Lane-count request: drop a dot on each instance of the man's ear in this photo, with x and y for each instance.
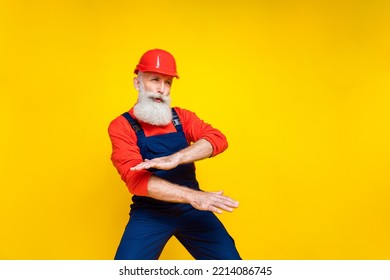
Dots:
(136, 82)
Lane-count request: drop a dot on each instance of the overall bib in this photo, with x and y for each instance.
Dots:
(153, 222)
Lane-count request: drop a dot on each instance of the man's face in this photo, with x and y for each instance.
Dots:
(156, 83)
(153, 104)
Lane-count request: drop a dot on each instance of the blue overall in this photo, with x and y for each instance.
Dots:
(152, 222)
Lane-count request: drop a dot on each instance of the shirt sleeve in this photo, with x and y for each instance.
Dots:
(195, 129)
(126, 154)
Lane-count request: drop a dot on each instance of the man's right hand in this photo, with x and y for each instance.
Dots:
(163, 163)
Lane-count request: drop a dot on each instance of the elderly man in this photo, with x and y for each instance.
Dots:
(154, 148)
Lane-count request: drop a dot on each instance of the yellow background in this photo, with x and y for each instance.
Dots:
(300, 88)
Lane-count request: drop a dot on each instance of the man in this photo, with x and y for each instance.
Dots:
(154, 148)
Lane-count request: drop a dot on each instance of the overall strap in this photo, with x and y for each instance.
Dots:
(134, 125)
(176, 121)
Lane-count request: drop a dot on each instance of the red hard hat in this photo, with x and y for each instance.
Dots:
(158, 61)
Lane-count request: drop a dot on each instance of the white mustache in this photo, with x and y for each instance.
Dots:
(153, 95)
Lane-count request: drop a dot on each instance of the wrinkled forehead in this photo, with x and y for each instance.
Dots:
(155, 74)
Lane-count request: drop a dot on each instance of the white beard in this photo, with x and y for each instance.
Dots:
(149, 111)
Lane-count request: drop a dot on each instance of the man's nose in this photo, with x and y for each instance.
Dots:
(161, 88)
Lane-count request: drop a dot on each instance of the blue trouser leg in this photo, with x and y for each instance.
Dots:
(145, 235)
(200, 232)
(204, 236)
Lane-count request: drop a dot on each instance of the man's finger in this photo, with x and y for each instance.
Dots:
(226, 208)
(218, 192)
(139, 167)
(215, 209)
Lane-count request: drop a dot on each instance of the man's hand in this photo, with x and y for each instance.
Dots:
(213, 201)
(199, 150)
(163, 163)
(208, 201)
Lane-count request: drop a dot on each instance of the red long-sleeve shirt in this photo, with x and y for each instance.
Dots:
(126, 153)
